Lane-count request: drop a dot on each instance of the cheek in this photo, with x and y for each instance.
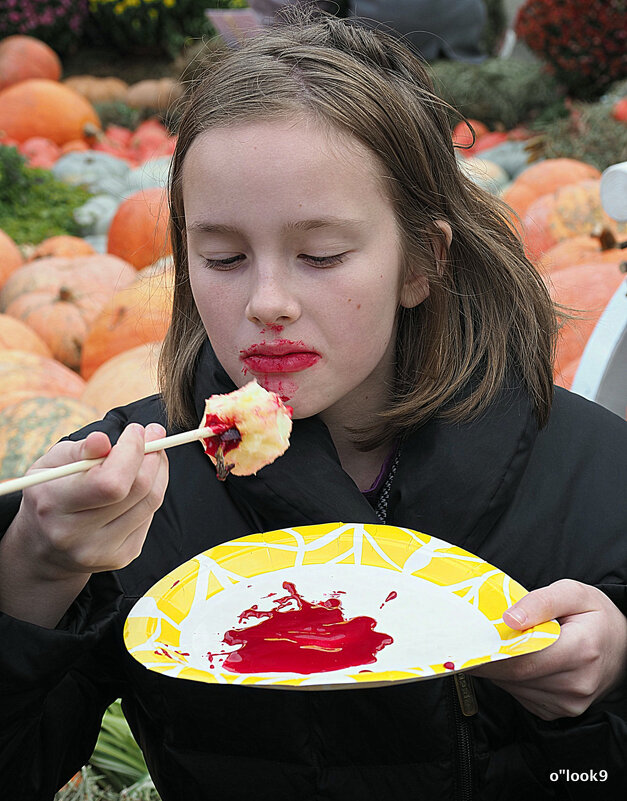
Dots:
(364, 326)
(215, 305)
(374, 306)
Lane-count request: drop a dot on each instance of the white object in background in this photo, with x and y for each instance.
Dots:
(602, 372)
(614, 191)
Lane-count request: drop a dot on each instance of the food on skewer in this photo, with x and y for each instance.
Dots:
(251, 425)
(251, 429)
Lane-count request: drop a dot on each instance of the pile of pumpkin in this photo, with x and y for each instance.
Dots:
(80, 330)
(65, 308)
(46, 117)
(557, 211)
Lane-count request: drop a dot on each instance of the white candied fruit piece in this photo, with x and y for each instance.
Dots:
(264, 424)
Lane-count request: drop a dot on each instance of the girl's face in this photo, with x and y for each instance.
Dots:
(295, 264)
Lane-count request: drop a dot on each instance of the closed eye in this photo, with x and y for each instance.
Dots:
(223, 264)
(317, 261)
(323, 261)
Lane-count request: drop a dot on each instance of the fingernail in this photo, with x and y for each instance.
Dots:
(518, 615)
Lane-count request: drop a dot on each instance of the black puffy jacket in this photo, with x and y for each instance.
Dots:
(539, 505)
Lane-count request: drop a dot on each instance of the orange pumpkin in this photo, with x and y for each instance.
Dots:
(542, 178)
(24, 57)
(62, 245)
(138, 314)
(45, 108)
(139, 229)
(579, 249)
(573, 210)
(586, 289)
(31, 427)
(124, 378)
(551, 174)
(26, 375)
(10, 257)
(60, 297)
(518, 197)
(16, 335)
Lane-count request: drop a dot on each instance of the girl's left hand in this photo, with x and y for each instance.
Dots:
(588, 660)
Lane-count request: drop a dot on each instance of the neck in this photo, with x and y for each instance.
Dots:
(362, 466)
(357, 409)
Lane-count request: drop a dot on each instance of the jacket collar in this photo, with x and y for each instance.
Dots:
(453, 480)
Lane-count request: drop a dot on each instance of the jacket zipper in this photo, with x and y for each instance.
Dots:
(464, 706)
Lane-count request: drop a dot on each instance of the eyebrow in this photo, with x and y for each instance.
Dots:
(208, 227)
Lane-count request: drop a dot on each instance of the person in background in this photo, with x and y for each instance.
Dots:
(435, 29)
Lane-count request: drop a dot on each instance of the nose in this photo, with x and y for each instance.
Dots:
(271, 300)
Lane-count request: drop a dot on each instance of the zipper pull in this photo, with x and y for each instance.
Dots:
(466, 694)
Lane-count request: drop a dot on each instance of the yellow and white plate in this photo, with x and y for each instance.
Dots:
(441, 605)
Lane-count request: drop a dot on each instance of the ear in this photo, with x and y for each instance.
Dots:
(414, 291)
(440, 250)
(416, 288)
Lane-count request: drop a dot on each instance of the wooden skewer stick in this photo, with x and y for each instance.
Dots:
(47, 474)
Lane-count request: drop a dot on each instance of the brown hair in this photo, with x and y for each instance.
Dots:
(488, 317)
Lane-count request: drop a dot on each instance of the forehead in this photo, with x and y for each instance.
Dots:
(298, 156)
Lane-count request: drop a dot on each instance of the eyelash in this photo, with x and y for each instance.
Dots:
(318, 261)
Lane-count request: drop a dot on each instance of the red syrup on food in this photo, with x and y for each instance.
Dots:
(311, 638)
(225, 439)
(225, 435)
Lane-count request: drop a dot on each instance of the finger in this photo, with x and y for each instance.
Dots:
(562, 655)
(124, 536)
(145, 497)
(109, 483)
(562, 598)
(118, 526)
(111, 495)
(97, 545)
(93, 446)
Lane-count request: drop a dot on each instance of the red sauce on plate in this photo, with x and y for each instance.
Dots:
(303, 637)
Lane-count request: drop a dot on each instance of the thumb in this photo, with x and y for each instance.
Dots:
(560, 599)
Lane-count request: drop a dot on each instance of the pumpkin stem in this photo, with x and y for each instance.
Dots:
(91, 132)
(65, 294)
(534, 147)
(606, 238)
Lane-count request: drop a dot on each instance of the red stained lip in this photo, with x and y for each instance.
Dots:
(282, 356)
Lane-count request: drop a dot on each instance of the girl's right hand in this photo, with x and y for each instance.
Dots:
(89, 522)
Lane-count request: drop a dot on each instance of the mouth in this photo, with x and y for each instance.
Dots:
(279, 357)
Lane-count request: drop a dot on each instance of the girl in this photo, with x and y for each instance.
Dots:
(326, 243)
